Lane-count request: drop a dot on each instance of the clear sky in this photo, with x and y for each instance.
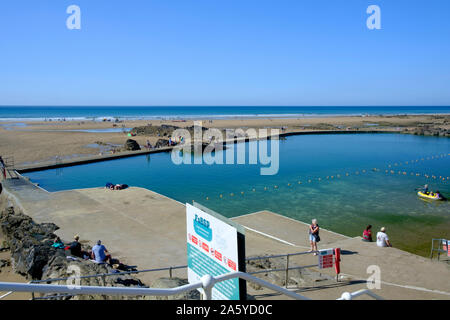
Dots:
(225, 52)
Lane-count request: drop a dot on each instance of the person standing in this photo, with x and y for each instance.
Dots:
(383, 239)
(314, 235)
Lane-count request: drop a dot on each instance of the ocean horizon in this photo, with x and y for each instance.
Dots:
(99, 113)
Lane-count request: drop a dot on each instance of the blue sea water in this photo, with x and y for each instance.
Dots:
(339, 185)
(8, 113)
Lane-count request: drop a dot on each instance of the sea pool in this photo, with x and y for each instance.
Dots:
(340, 179)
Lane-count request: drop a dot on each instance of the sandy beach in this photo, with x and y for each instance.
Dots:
(43, 141)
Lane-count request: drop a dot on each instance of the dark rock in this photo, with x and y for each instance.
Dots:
(161, 143)
(131, 145)
(4, 263)
(32, 255)
(173, 283)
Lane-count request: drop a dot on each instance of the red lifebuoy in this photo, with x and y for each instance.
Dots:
(337, 260)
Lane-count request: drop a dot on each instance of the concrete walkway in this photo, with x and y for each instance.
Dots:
(143, 228)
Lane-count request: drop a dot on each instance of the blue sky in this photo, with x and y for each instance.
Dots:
(225, 52)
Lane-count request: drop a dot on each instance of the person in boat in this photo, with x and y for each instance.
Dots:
(439, 195)
(425, 189)
(367, 234)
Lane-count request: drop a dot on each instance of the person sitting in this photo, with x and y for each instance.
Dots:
(100, 254)
(425, 189)
(109, 185)
(367, 234)
(383, 239)
(58, 243)
(75, 249)
(120, 186)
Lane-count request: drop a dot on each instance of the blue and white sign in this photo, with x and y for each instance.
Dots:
(212, 249)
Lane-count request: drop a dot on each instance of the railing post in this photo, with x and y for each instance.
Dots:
(170, 272)
(346, 296)
(287, 271)
(432, 247)
(207, 284)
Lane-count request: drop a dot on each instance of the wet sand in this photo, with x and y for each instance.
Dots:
(43, 141)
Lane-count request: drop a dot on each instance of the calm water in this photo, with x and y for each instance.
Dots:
(127, 112)
(344, 204)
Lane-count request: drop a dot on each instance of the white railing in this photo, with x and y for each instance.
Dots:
(350, 296)
(207, 283)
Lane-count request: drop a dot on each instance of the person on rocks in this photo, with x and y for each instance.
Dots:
(100, 254)
(75, 248)
(58, 244)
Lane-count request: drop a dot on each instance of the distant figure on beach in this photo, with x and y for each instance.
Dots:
(314, 235)
(367, 234)
(383, 239)
(100, 254)
(149, 145)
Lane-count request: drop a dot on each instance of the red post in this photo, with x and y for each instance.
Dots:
(337, 260)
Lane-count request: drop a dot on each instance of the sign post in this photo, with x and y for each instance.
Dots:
(215, 246)
(446, 246)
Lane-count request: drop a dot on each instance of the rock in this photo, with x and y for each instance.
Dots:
(32, 255)
(172, 283)
(162, 143)
(296, 277)
(149, 130)
(131, 145)
(4, 263)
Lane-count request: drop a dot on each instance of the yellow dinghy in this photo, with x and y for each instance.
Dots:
(429, 195)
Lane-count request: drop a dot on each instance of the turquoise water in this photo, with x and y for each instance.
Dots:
(344, 204)
(216, 112)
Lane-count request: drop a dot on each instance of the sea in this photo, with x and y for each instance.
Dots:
(100, 113)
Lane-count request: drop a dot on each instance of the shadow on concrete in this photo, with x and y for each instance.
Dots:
(348, 252)
(340, 284)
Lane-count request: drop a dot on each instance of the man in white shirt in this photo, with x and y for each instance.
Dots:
(383, 239)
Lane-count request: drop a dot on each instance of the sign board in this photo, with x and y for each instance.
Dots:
(212, 248)
(446, 246)
(326, 258)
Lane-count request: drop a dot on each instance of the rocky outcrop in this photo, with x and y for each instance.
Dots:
(173, 283)
(131, 145)
(428, 130)
(30, 243)
(150, 130)
(33, 256)
(161, 143)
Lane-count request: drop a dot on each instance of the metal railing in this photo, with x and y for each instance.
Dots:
(350, 296)
(172, 268)
(439, 248)
(206, 283)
